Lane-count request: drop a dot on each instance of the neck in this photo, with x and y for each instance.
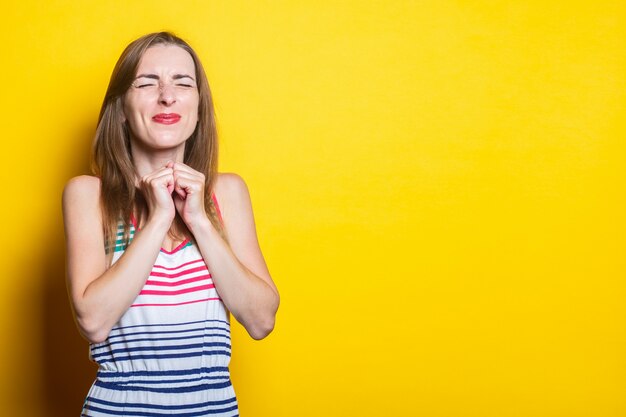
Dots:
(148, 161)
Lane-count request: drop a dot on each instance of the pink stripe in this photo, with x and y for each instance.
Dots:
(185, 291)
(177, 304)
(179, 266)
(179, 274)
(177, 283)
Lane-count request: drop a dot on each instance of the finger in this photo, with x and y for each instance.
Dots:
(163, 180)
(167, 180)
(181, 192)
(186, 176)
(189, 176)
(189, 183)
(180, 167)
(179, 187)
(163, 172)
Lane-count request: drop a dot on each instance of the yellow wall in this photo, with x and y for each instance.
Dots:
(438, 186)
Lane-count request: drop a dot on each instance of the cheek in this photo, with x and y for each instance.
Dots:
(133, 121)
(194, 110)
(196, 103)
(130, 111)
(133, 113)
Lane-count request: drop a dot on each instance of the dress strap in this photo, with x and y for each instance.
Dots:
(217, 207)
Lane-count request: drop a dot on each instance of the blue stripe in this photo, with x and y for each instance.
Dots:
(172, 390)
(200, 336)
(158, 348)
(145, 382)
(168, 356)
(177, 372)
(150, 414)
(169, 324)
(162, 407)
(197, 329)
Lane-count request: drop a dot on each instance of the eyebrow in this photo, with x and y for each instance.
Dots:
(156, 77)
(179, 76)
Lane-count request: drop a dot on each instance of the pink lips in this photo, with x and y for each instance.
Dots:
(166, 118)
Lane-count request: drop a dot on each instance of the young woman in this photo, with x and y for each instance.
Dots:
(160, 247)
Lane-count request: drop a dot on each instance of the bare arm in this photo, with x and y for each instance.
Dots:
(100, 295)
(237, 267)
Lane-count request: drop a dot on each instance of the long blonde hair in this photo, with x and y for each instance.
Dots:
(112, 159)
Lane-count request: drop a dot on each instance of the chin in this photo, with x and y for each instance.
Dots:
(159, 144)
(169, 144)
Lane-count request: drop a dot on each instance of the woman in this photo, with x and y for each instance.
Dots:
(143, 234)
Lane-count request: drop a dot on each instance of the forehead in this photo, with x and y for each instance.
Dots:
(166, 59)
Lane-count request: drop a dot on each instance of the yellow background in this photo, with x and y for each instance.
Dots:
(438, 187)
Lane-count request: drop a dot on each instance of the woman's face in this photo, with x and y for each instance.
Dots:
(161, 106)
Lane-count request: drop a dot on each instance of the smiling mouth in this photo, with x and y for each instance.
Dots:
(166, 118)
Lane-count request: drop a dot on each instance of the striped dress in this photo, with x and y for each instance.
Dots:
(169, 353)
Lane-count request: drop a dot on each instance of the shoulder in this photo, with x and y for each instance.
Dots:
(82, 185)
(230, 188)
(81, 192)
(232, 196)
(229, 182)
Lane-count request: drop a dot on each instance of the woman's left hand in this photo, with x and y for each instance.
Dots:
(189, 194)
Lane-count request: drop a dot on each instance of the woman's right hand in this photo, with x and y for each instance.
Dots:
(157, 188)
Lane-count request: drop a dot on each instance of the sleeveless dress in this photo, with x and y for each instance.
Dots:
(169, 353)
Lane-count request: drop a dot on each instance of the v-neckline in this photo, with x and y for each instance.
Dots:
(182, 244)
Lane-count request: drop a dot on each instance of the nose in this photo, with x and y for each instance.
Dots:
(167, 96)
